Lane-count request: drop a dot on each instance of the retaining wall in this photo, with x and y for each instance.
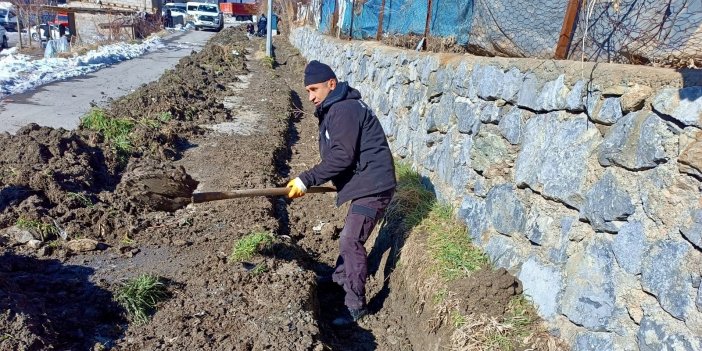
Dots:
(584, 180)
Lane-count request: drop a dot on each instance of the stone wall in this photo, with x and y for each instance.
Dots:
(584, 180)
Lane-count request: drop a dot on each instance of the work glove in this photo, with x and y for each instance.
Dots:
(297, 188)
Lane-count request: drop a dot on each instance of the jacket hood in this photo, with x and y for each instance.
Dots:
(342, 92)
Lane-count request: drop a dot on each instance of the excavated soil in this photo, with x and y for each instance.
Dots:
(79, 217)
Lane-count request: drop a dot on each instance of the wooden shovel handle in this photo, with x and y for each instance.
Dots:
(282, 191)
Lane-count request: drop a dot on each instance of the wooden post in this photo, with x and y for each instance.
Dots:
(426, 26)
(381, 17)
(567, 29)
(353, 3)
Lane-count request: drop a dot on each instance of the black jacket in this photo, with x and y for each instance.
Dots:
(352, 144)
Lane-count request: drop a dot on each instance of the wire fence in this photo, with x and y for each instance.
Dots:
(654, 32)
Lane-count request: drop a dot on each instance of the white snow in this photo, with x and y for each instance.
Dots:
(19, 73)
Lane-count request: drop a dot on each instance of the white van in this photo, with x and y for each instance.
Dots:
(205, 15)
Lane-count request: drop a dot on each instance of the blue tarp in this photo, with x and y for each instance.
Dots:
(449, 18)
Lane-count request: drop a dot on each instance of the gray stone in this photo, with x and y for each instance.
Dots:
(574, 100)
(588, 298)
(559, 252)
(589, 341)
(440, 82)
(553, 156)
(505, 210)
(511, 124)
(468, 116)
(684, 105)
(609, 113)
(388, 124)
(445, 161)
(500, 249)
(488, 81)
(510, 86)
(553, 95)
(34, 244)
(18, 235)
(656, 336)
(629, 247)
(543, 283)
(427, 65)
(529, 92)
(489, 113)
(698, 301)
(668, 282)
(439, 115)
(488, 150)
(473, 212)
(693, 230)
(537, 226)
(462, 163)
(415, 117)
(461, 80)
(605, 204)
(402, 140)
(593, 100)
(416, 93)
(634, 142)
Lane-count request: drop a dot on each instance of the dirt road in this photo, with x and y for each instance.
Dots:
(60, 104)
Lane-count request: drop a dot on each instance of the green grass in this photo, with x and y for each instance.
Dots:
(412, 201)
(268, 61)
(450, 245)
(250, 245)
(43, 229)
(139, 296)
(115, 130)
(165, 117)
(81, 198)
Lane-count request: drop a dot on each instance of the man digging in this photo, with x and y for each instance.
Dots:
(357, 159)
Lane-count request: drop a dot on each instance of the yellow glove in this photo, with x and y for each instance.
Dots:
(297, 188)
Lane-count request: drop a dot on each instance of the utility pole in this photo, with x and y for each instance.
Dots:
(19, 30)
(269, 26)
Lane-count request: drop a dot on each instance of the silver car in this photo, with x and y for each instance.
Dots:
(8, 19)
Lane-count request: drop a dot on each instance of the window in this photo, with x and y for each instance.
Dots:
(207, 8)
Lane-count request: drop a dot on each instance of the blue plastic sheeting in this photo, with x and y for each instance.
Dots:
(450, 18)
(328, 7)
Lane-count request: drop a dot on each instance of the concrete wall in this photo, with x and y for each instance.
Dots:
(583, 180)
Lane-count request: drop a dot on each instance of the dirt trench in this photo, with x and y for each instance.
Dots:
(232, 123)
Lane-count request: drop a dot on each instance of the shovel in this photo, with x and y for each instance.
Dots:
(282, 191)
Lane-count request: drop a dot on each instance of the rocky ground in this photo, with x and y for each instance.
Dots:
(77, 223)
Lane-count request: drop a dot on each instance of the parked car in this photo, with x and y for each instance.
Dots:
(8, 19)
(205, 15)
(38, 32)
(3, 38)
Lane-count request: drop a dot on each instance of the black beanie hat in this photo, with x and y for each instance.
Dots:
(317, 72)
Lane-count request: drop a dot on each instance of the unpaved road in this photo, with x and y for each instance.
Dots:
(60, 104)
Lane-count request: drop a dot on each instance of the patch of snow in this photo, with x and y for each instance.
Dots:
(19, 73)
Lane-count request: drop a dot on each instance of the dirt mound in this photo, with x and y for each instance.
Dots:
(486, 291)
(157, 186)
(47, 305)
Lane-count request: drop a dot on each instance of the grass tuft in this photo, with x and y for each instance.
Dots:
(250, 245)
(45, 230)
(139, 296)
(82, 199)
(412, 200)
(449, 244)
(115, 130)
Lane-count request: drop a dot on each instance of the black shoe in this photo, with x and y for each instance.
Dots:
(353, 316)
(324, 279)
